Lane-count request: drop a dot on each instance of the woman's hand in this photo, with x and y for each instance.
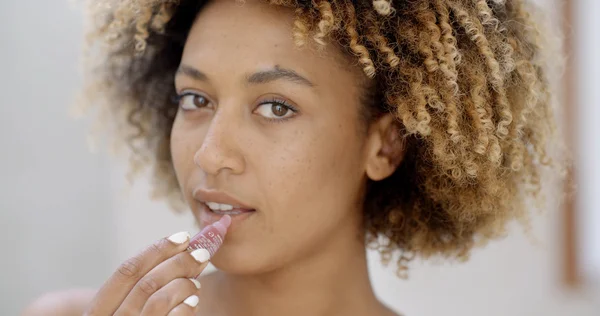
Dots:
(158, 281)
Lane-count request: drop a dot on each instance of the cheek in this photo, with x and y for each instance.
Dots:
(312, 175)
(183, 148)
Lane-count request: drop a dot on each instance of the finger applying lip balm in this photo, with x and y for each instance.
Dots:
(212, 236)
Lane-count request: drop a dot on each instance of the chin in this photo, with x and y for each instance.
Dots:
(244, 260)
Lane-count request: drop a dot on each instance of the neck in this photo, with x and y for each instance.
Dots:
(334, 281)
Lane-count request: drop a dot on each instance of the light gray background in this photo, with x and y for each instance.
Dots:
(65, 221)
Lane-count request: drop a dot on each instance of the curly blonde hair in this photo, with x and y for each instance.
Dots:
(464, 79)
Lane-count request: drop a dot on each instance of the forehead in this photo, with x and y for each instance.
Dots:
(253, 35)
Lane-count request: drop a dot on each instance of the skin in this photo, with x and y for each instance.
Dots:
(302, 251)
(231, 146)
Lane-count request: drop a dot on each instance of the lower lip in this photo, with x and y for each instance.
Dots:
(207, 216)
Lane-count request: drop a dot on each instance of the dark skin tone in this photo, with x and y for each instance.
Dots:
(278, 130)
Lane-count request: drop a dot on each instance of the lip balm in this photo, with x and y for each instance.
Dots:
(212, 236)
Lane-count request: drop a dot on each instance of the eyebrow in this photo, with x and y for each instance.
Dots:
(192, 73)
(261, 77)
(278, 73)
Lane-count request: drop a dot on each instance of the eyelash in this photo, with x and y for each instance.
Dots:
(176, 99)
(283, 103)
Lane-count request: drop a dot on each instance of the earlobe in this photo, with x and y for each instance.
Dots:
(386, 148)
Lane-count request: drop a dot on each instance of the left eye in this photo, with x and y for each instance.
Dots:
(275, 110)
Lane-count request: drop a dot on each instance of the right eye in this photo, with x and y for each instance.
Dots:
(189, 101)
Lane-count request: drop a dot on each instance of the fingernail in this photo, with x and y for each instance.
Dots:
(196, 283)
(201, 255)
(192, 301)
(179, 238)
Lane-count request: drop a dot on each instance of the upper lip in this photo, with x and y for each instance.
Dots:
(218, 197)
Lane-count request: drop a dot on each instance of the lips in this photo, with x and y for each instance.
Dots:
(213, 205)
(225, 209)
(221, 203)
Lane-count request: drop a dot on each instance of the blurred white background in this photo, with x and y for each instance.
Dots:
(65, 221)
(588, 129)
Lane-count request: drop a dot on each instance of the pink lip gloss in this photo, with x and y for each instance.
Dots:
(211, 237)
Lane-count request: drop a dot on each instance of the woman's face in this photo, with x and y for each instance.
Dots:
(271, 128)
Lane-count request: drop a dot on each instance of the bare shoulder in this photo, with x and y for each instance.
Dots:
(65, 303)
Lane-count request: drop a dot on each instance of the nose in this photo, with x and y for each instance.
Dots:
(219, 151)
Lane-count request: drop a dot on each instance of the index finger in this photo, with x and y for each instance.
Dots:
(120, 283)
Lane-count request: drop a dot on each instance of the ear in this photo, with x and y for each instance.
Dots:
(385, 148)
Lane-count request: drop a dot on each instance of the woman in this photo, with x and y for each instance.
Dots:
(321, 127)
